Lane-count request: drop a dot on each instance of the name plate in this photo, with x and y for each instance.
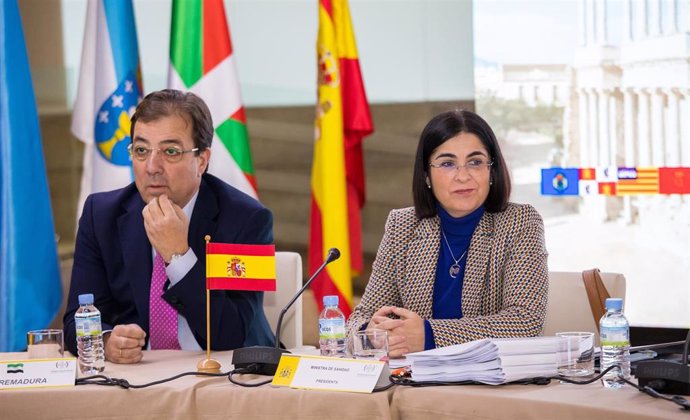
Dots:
(38, 373)
(330, 373)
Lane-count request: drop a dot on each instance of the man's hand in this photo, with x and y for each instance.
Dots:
(124, 344)
(166, 226)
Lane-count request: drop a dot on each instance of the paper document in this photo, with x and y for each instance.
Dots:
(490, 361)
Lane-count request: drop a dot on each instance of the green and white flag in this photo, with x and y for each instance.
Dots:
(202, 61)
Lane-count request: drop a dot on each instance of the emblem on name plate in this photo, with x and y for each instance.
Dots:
(285, 372)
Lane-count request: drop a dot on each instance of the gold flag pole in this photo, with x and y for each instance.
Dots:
(208, 365)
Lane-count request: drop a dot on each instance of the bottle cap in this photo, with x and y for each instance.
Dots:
(614, 304)
(330, 301)
(86, 299)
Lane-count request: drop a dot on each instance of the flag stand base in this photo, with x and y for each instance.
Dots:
(208, 366)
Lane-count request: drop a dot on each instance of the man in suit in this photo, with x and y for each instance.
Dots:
(141, 251)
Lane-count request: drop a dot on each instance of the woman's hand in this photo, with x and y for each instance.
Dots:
(405, 334)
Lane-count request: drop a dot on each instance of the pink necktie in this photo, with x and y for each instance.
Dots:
(162, 316)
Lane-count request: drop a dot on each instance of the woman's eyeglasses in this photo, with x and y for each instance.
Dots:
(473, 166)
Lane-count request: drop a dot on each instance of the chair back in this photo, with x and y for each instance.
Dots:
(288, 282)
(568, 307)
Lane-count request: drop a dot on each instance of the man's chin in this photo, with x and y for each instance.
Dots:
(147, 195)
(157, 191)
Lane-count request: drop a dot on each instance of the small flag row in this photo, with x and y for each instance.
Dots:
(615, 181)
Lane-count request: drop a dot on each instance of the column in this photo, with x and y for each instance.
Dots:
(630, 142)
(583, 128)
(670, 18)
(684, 111)
(592, 151)
(627, 22)
(654, 16)
(644, 157)
(582, 22)
(672, 129)
(590, 13)
(604, 156)
(641, 22)
(615, 133)
(614, 205)
(629, 127)
(602, 31)
(656, 117)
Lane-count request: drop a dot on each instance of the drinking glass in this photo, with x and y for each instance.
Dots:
(45, 344)
(576, 353)
(370, 345)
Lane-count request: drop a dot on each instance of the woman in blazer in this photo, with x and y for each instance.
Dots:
(463, 263)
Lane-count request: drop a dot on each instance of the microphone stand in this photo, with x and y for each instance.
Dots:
(263, 360)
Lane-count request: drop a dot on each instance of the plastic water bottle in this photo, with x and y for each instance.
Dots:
(615, 343)
(89, 336)
(332, 339)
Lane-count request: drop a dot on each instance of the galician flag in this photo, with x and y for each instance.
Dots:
(201, 61)
(342, 120)
(109, 89)
(30, 287)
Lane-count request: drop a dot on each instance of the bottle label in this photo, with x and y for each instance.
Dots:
(331, 328)
(615, 336)
(86, 326)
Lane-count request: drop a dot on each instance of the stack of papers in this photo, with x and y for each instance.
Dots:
(491, 361)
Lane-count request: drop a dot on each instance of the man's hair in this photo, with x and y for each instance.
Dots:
(442, 128)
(169, 102)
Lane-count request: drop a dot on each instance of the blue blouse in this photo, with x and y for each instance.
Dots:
(447, 303)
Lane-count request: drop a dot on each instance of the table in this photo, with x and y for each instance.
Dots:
(185, 398)
(214, 398)
(555, 401)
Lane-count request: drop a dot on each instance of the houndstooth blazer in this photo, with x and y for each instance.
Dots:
(506, 278)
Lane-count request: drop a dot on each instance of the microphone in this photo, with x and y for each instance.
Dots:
(666, 376)
(264, 360)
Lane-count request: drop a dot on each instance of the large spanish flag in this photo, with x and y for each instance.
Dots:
(202, 61)
(342, 120)
(240, 267)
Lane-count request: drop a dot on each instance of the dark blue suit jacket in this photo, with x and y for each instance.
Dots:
(113, 260)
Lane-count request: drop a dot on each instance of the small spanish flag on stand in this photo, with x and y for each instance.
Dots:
(235, 267)
(240, 267)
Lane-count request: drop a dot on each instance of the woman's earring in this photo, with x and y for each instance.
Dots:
(428, 186)
(491, 182)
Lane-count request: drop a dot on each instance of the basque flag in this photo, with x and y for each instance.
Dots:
(202, 61)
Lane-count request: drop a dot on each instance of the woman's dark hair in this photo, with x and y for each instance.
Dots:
(442, 128)
(168, 102)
